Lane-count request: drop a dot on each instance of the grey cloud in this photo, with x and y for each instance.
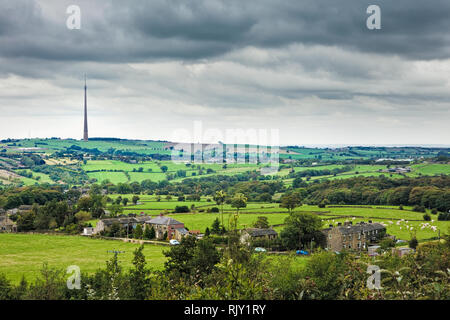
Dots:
(118, 31)
(304, 66)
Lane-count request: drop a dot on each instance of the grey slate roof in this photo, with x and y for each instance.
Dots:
(254, 232)
(130, 220)
(358, 228)
(183, 231)
(164, 220)
(142, 218)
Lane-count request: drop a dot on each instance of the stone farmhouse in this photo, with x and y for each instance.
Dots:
(250, 234)
(353, 237)
(162, 225)
(6, 224)
(132, 222)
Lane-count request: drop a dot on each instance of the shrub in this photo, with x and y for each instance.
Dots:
(217, 239)
(214, 210)
(387, 243)
(426, 217)
(418, 208)
(443, 216)
(413, 243)
(181, 209)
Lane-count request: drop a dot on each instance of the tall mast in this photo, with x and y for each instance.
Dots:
(85, 133)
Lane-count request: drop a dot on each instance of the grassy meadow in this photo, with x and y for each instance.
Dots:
(24, 254)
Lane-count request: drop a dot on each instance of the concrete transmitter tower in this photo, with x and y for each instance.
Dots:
(85, 132)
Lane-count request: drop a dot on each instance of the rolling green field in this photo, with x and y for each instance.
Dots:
(425, 169)
(43, 178)
(141, 176)
(124, 172)
(276, 215)
(53, 145)
(114, 170)
(157, 175)
(430, 169)
(114, 177)
(119, 165)
(356, 153)
(25, 253)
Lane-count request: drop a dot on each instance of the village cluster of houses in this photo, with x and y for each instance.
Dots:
(358, 237)
(162, 225)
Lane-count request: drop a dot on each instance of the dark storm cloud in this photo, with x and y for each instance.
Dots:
(143, 30)
(311, 68)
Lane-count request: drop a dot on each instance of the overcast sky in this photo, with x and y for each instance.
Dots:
(311, 69)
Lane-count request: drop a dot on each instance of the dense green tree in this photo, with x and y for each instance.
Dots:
(135, 199)
(300, 229)
(114, 230)
(191, 260)
(261, 223)
(138, 232)
(6, 289)
(25, 221)
(413, 243)
(238, 201)
(219, 198)
(115, 209)
(326, 269)
(139, 276)
(215, 227)
(149, 232)
(291, 201)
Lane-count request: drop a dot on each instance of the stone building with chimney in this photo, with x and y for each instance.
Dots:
(353, 237)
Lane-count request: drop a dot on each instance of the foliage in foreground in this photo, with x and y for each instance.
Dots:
(198, 270)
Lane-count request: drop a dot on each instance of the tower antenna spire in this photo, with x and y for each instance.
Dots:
(85, 132)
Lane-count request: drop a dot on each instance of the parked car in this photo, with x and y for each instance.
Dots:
(174, 242)
(258, 249)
